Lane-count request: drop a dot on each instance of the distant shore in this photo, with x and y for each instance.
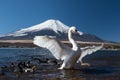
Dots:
(29, 44)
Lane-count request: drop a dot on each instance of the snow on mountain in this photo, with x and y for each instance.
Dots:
(49, 24)
(51, 28)
(55, 25)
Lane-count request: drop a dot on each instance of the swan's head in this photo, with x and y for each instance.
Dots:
(73, 29)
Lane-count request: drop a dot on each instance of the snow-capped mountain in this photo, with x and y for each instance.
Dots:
(51, 28)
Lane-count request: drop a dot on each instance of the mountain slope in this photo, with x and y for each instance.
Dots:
(51, 28)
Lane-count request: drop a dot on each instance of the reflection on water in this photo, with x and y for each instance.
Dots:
(105, 65)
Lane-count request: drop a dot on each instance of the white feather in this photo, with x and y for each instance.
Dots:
(60, 51)
(89, 50)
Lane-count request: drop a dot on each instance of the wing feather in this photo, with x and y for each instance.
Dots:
(59, 50)
(89, 50)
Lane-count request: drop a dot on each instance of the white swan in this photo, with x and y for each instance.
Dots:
(60, 51)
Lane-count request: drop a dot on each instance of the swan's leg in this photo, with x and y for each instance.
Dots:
(62, 66)
(84, 64)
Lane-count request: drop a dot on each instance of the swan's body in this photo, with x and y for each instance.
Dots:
(60, 51)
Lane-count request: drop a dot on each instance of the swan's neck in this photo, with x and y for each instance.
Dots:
(74, 44)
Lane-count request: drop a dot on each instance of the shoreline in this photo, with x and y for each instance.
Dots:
(29, 44)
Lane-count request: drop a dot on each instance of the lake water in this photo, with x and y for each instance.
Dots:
(105, 65)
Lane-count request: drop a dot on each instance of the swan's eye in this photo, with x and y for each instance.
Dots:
(75, 30)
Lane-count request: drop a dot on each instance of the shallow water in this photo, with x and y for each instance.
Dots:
(105, 65)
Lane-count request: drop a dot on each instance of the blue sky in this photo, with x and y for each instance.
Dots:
(98, 17)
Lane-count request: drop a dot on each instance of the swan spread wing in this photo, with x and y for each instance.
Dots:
(59, 50)
(89, 50)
